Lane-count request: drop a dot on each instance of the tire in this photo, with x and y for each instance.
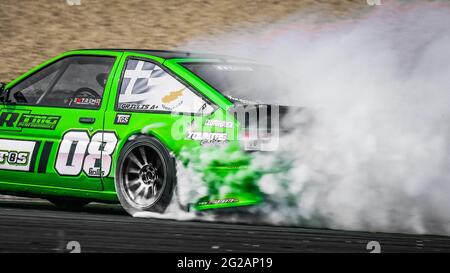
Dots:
(145, 176)
(68, 204)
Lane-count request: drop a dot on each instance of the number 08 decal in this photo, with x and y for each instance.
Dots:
(79, 152)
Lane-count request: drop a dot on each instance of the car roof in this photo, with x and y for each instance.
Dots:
(170, 54)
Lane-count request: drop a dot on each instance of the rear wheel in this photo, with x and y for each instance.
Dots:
(145, 176)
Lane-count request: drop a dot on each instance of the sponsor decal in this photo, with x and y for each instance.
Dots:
(38, 121)
(17, 121)
(207, 136)
(87, 101)
(136, 106)
(213, 142)
(14, 158)
(122, 119)
(95, 172)
(17, 155)
(7, 121)
(219, 201)
(219, 123)
(172, 100)
(172, 96)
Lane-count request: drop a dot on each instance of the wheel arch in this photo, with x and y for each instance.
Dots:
(132, 135)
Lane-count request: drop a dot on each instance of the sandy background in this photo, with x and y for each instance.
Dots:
(32, 31)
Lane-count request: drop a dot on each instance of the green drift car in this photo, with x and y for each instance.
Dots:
(108, 125)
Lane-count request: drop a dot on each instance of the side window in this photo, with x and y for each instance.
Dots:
(32, 88)
(147, 87)
(76, 82)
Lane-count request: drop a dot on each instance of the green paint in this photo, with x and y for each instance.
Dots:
(226, 171)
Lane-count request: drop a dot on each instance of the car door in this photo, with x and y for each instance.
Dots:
(152, 100)
(51, 128)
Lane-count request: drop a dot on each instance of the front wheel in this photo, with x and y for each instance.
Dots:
(145, 176)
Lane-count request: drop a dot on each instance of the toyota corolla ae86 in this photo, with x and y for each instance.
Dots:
(112, 125)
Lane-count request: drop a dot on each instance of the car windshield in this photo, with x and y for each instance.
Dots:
(242, 83)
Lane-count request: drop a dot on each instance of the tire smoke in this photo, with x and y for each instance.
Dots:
(377, 155)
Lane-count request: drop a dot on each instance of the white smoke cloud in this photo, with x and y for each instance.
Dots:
(377, 155)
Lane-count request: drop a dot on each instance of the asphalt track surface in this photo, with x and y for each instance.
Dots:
(35, 225)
